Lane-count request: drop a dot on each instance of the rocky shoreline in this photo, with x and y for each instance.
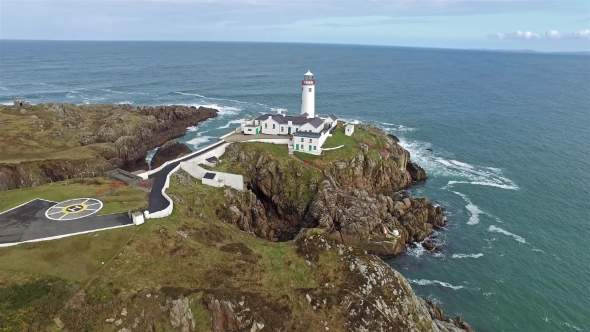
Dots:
(357, 203)
(100, 138)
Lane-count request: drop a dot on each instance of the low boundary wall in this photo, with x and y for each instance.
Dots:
(167, 211)
(235, 181)
(146, 175)
(270, 140)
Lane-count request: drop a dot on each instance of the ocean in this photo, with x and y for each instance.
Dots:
(503, 136)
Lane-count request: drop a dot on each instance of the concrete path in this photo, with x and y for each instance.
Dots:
(157, 201)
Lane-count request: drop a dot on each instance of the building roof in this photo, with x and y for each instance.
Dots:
(209, 176)
(284, 119)
(212, 159)
(316, 122)
(333, 117)
(307, 134)
(349, 126)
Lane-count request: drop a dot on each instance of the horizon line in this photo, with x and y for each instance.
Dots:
(310, 43)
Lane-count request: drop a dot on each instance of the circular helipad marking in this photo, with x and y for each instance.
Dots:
(74, 209)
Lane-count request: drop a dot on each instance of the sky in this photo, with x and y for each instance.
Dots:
(549, 25)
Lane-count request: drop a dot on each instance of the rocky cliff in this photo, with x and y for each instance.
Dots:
(355, 200)
(53, 142)
(169, 151)
(364, 295)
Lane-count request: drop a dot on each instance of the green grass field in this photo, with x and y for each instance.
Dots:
(339, 138)
(118, 200)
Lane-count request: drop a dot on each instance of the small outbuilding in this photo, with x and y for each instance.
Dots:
(137, 218)
(349, 130)
(21, 102)
(211, 161)
(212, 179)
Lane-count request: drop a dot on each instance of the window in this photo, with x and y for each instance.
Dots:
(314, 147)
(309, 89)
(302, 147)
(302, 140)
(265, 125)
(282, 129)
(273, 126)
(310, 140)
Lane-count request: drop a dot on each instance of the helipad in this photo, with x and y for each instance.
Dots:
(40, 220)
(74, 209)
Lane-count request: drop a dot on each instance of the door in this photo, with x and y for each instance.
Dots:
(310, 148)
(256, 131)
(297, 146)
(289, 130)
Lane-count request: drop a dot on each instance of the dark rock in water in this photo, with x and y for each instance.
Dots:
(394, 137)
(169, 151)
(438, 248)
(429, 149)
(416, 172)
(428, 245)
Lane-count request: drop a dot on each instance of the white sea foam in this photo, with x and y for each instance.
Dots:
(571, 326)
(4, 88)
(200, 140)
(7, 103)
(190, 94)
(223, 110)
(424, 282)
(124, 93)
(434, 163)
(417, 251)
(467, 255)
(474, 210)
(125, 102)
(276, 109)
(230, 123)
(495, 229)
(395, 127)
(351, 121)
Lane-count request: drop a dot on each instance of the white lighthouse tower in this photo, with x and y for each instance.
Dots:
(308, 95)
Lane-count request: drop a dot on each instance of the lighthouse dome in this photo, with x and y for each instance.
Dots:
(308, 73)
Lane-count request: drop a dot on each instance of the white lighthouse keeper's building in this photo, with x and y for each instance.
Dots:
(308, 96)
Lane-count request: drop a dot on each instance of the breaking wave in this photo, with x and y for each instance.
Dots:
(495, 229)
(227, 125)
(199, 141)
(124, 93)
(223, 110)
(433, 163)
(467, 255)
(474, 210)
(395, 127)
(425, 282)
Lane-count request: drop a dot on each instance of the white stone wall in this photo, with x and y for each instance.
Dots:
(235, 181)
(267, 127)
(212, 182)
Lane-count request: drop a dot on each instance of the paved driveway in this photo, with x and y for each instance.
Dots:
(28, 222)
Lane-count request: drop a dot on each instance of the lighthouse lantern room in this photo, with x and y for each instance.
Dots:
(308, 95)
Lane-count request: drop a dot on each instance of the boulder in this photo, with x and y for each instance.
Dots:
(169, 151)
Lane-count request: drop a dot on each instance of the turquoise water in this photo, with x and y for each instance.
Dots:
(509, 135)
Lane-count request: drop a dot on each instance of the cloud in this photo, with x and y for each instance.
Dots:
(387, 21)
(516, 35)
(551, 34)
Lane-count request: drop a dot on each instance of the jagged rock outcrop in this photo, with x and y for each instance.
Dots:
(365, 295)
(282, 199)
(170, 150)
(81, 140)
